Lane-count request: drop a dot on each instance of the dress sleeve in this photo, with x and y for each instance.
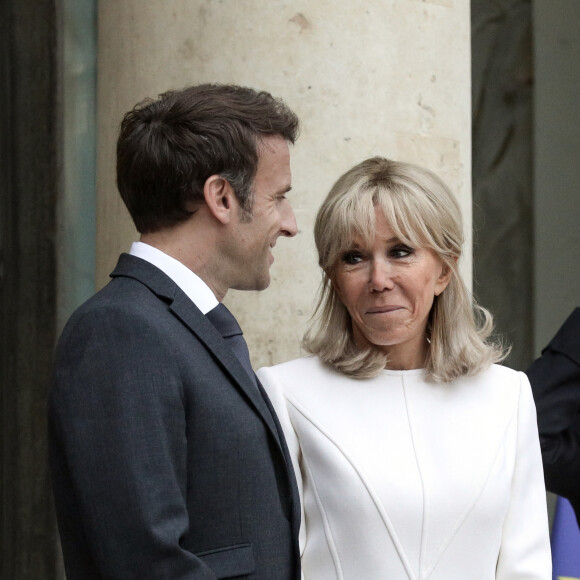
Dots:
(275, 389)
(525, 545)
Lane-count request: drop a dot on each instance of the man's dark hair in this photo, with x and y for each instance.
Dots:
(167, 148)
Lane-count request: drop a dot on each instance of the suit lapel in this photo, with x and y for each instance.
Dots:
(188, 313)
(207, 333)
(199, 325)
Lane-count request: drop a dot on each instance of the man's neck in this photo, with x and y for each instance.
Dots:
(200, 257)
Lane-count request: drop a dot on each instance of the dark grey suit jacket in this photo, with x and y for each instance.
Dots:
(555, 380)
(166, 460)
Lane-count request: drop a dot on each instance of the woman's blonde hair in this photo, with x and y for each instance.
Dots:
(422, 212)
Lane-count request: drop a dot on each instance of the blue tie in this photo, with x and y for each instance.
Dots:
(229, 328)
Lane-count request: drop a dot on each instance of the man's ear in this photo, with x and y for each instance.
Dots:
(219, 198)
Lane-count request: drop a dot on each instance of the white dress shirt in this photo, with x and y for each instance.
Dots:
(193, 286)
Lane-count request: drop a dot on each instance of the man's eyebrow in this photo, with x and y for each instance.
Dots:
(285, 190)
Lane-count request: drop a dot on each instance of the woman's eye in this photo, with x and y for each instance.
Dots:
(401, 251)
(352, 257)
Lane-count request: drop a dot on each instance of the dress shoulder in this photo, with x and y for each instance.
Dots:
(297, 370)
(499, 377)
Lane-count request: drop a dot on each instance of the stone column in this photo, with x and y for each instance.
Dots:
(366, 77)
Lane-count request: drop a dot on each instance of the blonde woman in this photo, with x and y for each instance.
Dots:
(417, 455)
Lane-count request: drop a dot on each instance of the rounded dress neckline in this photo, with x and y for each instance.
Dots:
(399, 373)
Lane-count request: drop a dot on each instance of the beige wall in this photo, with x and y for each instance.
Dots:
(366, 77)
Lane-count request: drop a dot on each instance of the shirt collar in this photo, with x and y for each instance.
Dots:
(191, 284)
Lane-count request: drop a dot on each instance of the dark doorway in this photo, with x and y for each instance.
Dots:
(29, 182)
(502, 77)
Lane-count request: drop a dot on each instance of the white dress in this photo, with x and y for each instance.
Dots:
(401, 478)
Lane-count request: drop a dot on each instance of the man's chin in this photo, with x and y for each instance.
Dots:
(256, 286)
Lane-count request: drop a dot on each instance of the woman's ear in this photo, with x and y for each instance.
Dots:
(220, 198)
(333, 284)
(444, 278)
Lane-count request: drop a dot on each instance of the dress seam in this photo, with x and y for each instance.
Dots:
(367, 485)
(424, 518)
(327, 527)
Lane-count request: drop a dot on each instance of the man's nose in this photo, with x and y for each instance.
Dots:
(288, 226)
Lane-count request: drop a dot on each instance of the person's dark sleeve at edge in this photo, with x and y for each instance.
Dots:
(555, 380)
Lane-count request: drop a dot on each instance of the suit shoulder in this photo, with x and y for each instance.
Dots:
(567, 339)
(123, 308)
(120, 297)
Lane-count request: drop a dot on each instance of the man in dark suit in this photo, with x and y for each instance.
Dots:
(555, 380)
(167, 458)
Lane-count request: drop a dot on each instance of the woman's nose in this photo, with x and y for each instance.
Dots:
(380, 276)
